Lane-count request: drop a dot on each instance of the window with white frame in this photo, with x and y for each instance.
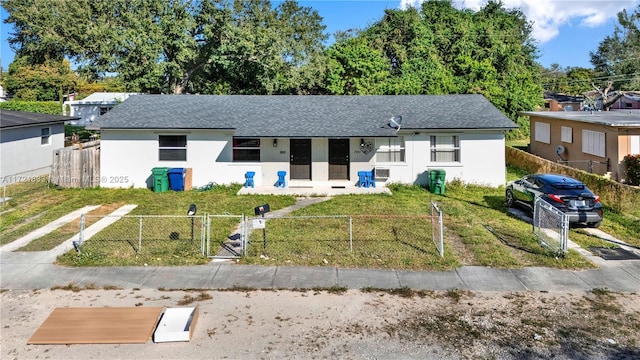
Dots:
(566, 134)
(45, 136)
(172, 147)
(445, 148)
(543, 132)
(390, 149)
(246, 149)
(593, 142)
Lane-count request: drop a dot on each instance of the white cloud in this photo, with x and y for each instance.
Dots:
(549, 15)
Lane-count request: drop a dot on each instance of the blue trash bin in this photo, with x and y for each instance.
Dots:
(176, 179)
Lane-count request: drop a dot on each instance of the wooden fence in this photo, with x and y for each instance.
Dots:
(77, 166)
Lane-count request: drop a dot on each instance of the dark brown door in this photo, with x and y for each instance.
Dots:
(300, 163)
(338, 159)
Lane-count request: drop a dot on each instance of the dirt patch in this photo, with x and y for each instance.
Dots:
(463, 253)
(351, 324)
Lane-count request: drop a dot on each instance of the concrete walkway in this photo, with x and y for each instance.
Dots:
(22, 270)
(14, 245)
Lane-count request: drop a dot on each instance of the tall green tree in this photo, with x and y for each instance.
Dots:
(176, 45)
(617, 58)
(439, 49)
(48, 81)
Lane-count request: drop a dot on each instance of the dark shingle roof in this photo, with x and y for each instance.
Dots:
(11, 119)
(304, 116)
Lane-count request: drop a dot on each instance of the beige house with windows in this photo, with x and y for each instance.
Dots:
(592, 141)
(317, 140)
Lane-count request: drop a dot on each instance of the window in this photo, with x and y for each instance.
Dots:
(45, 136)
(543, 132)
(246, 149)
(172, 147)
(104, 109)
(593, 142)
(566, 134)
(445, 148)
(635, 144)
(390, 149)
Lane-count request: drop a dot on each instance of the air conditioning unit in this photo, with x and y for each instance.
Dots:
(381, 173)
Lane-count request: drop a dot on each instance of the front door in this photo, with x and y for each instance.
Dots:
(338, 159)
(300, 162)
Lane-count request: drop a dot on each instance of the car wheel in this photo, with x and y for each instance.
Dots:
(510, 200)
(595, 224)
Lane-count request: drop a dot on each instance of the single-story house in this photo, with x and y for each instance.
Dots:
(562, 102)
(599, 139)
(27, 142)
(629, 101)
(94, 105)
(317, 140)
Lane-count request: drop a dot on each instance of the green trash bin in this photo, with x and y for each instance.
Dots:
(160, 179)
(436, 181)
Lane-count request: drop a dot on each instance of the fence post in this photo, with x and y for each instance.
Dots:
(140, 234)
(245, 231)
(203, 230)
(351, 233)
(81, 235)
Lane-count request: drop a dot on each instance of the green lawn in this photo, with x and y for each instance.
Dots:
(388, 229)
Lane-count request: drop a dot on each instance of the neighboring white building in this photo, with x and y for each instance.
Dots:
(3, 96)
(27, 142)
(317, 140)
(94, 105)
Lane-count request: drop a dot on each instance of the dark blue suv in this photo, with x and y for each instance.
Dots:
(568, 195)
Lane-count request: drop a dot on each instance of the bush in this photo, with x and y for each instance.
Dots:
(42, 107)
(632, 169)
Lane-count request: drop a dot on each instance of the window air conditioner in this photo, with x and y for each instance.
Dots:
(381, 173)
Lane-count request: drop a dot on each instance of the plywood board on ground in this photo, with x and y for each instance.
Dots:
(176, 324)
(108, 325)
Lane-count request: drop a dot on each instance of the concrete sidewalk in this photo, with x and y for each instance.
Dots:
(21, 272)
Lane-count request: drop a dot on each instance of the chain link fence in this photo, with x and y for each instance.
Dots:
(341, 239)
(304, 239)
(165, 238)
(551, 227)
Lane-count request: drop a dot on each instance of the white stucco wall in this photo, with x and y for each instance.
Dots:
(86, 112)
(134, 153)
(23, 157)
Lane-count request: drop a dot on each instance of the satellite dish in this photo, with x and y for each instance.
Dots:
(395, 122)
(560, 149)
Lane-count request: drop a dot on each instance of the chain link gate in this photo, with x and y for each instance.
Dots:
(551, 227)
(226, 236)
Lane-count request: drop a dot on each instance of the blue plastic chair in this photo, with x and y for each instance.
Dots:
(281, 182)
(249, 178)
(371, 180)
(362, 179)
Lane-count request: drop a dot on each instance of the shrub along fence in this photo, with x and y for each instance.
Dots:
(618, 196)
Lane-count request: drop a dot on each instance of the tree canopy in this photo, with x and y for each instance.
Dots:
(439, 49)
(617, 58)
(242, 46)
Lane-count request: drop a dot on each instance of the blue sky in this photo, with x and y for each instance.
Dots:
(566, 30)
